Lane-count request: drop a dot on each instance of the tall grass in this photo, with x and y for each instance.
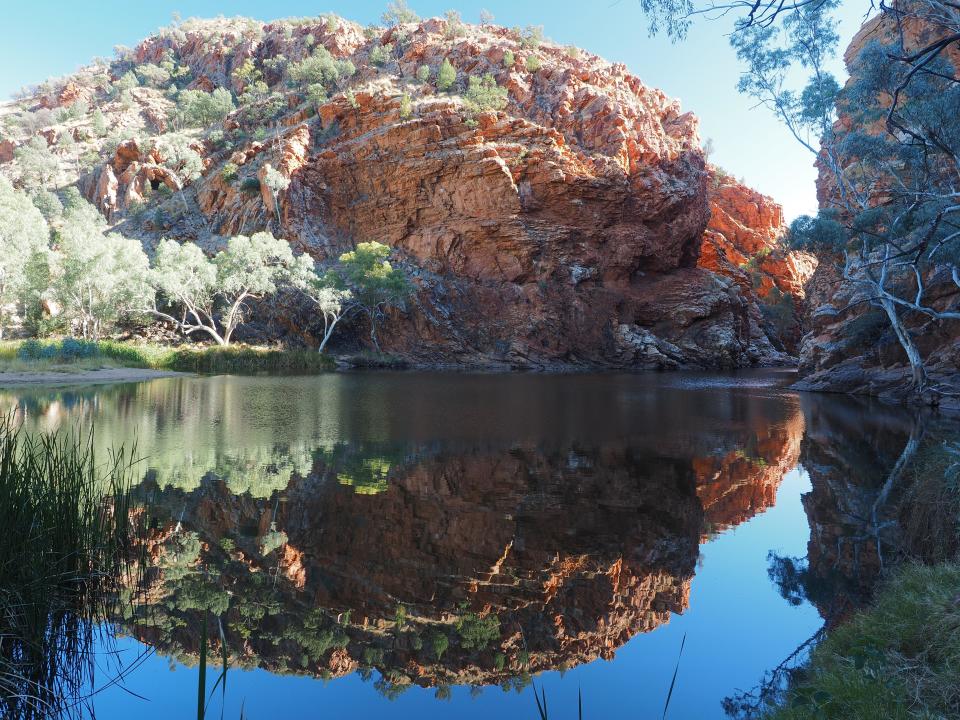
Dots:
(66, 546)
(69, 354)
(900, 658)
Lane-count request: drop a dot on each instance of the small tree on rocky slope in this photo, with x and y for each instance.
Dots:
(212, 293)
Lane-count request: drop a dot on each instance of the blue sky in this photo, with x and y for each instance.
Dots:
(49, 38)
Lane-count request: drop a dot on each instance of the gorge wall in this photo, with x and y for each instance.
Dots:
(851, 346)
(566, 229)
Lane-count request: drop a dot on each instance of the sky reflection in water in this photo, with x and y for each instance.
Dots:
(571, 507)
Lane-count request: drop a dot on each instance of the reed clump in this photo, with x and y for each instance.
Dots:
(66, 547)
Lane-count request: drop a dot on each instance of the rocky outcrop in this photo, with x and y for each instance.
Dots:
(561, 229)
(128, 178)
(577, 212)
(744, 240)
(851, 346)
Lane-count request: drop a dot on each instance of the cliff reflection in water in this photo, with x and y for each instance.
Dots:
(448, 529)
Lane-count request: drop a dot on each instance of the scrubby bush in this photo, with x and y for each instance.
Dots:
(98, 123)
(38, 166)
(447, 75)
(532, 37)
(380, 55)
(423, 73)
(483, 94)
(250, 186)
(455, 27)
(533, 63)
(196, 108)
(48, 204)
(406, 106)
(229, 172)
(321, 67)
(509, 59)
(124, 84)
(398, 13)
(153, 76)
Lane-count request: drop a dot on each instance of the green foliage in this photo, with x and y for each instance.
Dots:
(37, 164)
(98, 124)
(423, 73)
(898, 659)
(372, 656)
(509, 59)
(821, 234)
(153, 76)
(62, 554)
(316, 94)
(455, 27)
(250, 186)
(398, 13)
(406, 106)
(24, 235)
(48, 204)
(476, 632)
(446, 76)
(102, 277)
(532, 37)
(332, 22)
(573, 52)
(373, 282)
(229, 172)
(179, 157)
(533, 63)
(196, 108)
(248, 268)
(276, 65)
(320, 68)
(124, 85)
(247, 74)
(272, 540)
(380, 54)
(235, 359)
(483, 95)
(439, 643)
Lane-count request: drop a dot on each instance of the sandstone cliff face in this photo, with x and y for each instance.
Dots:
(563, 230)
(850, 346)
(744, 241)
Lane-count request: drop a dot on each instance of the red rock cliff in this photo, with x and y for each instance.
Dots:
(564, 229)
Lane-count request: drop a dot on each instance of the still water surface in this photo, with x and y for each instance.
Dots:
(433, 546)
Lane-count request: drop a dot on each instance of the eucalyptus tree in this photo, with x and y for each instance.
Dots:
(374, 284)
(179, 157)
(24, 235)
(98, 277)
(212, 294)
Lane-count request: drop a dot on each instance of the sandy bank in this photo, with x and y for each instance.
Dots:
(83, 377)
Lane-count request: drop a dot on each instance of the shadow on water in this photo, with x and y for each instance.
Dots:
(446, 531)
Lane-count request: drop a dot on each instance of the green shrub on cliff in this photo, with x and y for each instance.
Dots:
(483, 94)
(446, 76)
(196, 108)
